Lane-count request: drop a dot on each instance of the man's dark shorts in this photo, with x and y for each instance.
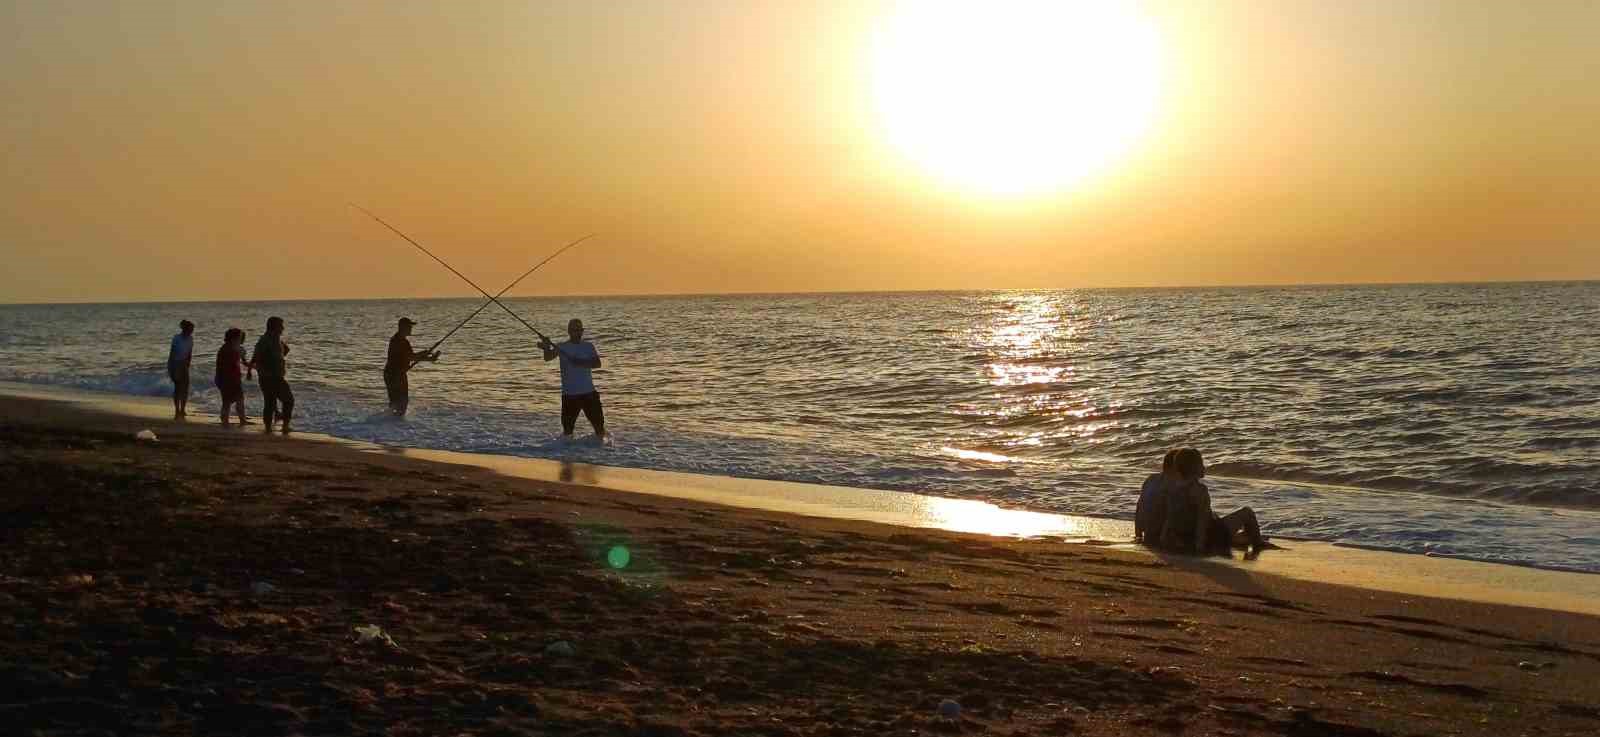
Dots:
(589, 405)
(398, 385)
(275, 389)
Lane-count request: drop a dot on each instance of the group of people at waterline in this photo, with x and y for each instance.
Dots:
(269, 360)
(1173, 512)
(233, 368)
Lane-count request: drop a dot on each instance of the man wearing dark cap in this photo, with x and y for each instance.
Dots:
(401, 359)
(179, 356)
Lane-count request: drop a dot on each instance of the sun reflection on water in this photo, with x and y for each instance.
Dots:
(1039, 398)
(976, 455)
(966, 515)
(1008, 374)
(1022, 341)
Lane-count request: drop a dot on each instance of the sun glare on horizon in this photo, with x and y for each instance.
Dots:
(1016, 98)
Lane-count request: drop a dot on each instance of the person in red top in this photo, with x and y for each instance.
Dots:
(230, 364)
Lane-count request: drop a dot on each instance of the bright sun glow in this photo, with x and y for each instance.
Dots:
(1016, 97)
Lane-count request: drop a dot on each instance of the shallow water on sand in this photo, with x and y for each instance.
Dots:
(1450, 419)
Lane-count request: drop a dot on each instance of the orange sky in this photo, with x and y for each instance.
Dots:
(207, 150)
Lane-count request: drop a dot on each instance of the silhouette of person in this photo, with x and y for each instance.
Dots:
(229, 377)
(1150, 514)
(270, 361)
(578, 357)
(1192, 527)
(179, 356)
(401, 359)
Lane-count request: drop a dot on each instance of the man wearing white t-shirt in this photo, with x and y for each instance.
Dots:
(577, 386)
(179, 357)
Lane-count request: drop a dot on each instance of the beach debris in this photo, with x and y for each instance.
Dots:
(262, 588)
(560, 649)
(949, 709)
(1531, 666)
(147, 435)
(374, 634)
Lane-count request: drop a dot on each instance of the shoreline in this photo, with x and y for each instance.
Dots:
(1306, 560)
(213, 582)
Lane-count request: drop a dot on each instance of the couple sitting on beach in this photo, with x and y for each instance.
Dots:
(1174, 512)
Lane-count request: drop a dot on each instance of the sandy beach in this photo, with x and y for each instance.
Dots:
(212, 583)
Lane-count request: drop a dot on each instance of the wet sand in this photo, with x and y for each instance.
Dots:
(128, 594)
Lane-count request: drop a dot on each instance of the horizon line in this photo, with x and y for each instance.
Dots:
(761, 293)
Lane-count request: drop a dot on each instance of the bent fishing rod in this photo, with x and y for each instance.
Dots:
(492, 300)
(452, 270)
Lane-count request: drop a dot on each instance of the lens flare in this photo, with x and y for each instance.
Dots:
(618, 557)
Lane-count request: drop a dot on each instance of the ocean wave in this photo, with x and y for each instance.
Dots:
(138, 381)
(1440, 395)
(1532, 484)
(1563, 442)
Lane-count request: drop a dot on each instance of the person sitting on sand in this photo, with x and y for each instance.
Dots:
(230, 365)
(178, 358)
(1192, 527)
(1150, 514)
(269, 361)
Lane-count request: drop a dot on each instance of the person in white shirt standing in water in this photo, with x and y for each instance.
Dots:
(578, 356)
(178, 359)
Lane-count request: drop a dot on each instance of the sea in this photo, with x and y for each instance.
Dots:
(1456, 420)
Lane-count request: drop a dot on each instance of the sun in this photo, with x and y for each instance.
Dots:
(1014, 98)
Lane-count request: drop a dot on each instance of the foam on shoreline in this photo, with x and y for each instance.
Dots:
(1304, 560)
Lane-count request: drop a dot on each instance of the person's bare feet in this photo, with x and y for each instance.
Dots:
(285, 428)
(246, 421)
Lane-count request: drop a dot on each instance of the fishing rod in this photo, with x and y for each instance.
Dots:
(464, 278)
(508, 288)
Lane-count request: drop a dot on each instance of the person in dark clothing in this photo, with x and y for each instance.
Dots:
(1150, 514)
(401, 359)
(1192, 527)
(269, 360)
